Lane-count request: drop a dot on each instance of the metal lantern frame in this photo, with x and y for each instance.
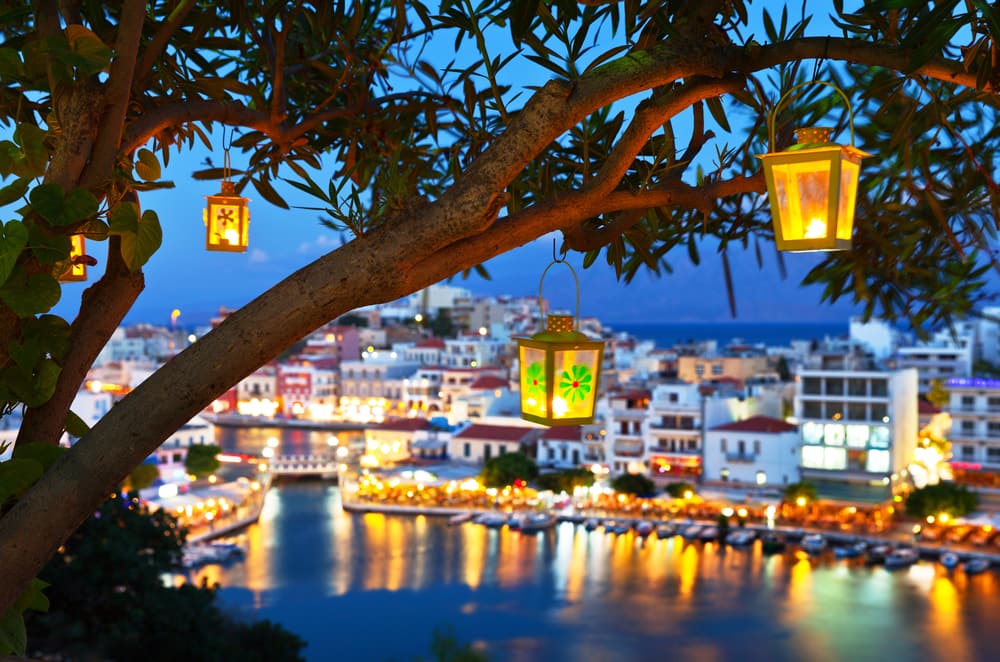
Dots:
(227, 214)
(817, 171)
(76, 265)
(560, 368)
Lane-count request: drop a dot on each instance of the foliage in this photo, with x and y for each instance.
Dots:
(503, 470)
(781, 367)
(142, 477)
(679, 489)
(984, 368)
(636, 484)
(359, 321)
(938, 395)
(804, 489)
(944, 497)
(202, 459)
(565, 480)
(446, 648)
(441, 325)
(108, 598)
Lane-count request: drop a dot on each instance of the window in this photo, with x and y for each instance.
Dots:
(968, 402)
(879, 437)
(857, 387)
(834, 458)
(811, 386)
(857, 436)
(716, 369)
(692, 444)
(699, 369)
(503, 449)
(756, 447)
(834, 410)
(722, 445)
(811, 409)
(487, 452)
(725, 475)
(741, 447)
(878, 461)
(993, 429)
(879, 387)
(812, 433)
(993, 403)
(879, 412)
(834, 386)
(833, 434)
(552, 453)
(857, 411)
(968, 427)
(812, 457)
(467, 449)
(672, 397)
(993, 455)
(968, 453)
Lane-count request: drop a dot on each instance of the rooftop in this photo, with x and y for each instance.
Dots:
(763, 424)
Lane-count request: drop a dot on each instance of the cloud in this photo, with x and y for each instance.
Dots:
(257, 256)
(321, 244)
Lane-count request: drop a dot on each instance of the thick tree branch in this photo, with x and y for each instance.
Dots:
(102, 308)
(117, 94)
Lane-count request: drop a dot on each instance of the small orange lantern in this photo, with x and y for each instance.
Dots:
(76, 266)
(812, 186)
(227, 219)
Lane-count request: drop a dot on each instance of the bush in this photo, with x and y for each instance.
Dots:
(678, 490)
(566, 480)
(202, 459)
(636, 484)
(951, 498)
(505, 469)
(804, 489)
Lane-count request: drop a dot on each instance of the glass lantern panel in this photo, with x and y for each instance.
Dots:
(225, 226)
(575, 383)
(803, 192)
(533, 398)
(849, 171)
(76, 270)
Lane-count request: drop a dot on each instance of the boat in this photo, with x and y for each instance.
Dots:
(460, 518)
(772, 543)
(538, 522)
(591, 524)
(850, 551)
(691, 531)
(643, 528)
(975, 566)
(876, 554)
(903, 557)
(491, 520)
(813, 543)
(515, 521)
(949, 559)
(619, 527)
(740, 537)
(708, 533)
(214, 552)
(665, 530)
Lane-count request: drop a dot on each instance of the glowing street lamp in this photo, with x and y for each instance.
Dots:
(812, 186)
(560, 369)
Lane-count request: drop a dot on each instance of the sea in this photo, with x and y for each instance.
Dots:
(374, 587)
(773, 334)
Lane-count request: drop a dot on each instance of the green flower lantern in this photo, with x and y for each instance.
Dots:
(812, 186)
(559, 369)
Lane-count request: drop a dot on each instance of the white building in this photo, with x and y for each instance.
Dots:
(478, 443)
(759, 451)
(943, 357)
(858, 427)
(171, 454)
(975, 423)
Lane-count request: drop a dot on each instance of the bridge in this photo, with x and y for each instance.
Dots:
(294, 466)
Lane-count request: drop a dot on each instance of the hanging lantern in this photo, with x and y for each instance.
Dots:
(560, 369)
(227, 218)
(812, 186)
(76, 266)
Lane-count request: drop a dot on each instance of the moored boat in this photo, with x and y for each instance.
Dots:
(665, 530)
(515, 520)
(975, 566)
(772, 543)
(491, 520)
(708, 533)
(877, 554)
(643, 528)
(813, 543)
(741, 537)
(538, 522)
(459, 518)
(851, 551)
(949, 559)
(903, 557)
(691, 531)
(591, 524)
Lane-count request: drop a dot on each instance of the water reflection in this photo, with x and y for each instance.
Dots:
(568, 594)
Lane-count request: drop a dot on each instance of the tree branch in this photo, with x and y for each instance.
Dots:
(160, 40)
(118, 93)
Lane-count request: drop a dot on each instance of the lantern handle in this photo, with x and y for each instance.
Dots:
(576, 283)
(774, 112)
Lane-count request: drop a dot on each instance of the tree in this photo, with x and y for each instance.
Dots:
(565, 480)
(202, 459)
(636, 484)
(108, 598)
(938, 395)
(142, 477)
(944, 497)
(437, 169)
(803, 490)
(504, 470)
(680, 490)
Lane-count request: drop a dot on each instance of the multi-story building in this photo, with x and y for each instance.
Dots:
(941, 359)
(624, 413)
(759, 450)
(171, 454)
(697, 369)
(674, 430)
(478, 443)
(563, 447)
(390, 441)
(373, 387)
(858, 427)
(974, 406)
(257, 394)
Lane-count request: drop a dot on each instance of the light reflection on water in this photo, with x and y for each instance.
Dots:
(373, 587)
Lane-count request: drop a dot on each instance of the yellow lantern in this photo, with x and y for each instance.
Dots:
(227, 218)
(560, 369)
(812, 186)
(76, 266)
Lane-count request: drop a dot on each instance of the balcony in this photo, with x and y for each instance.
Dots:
(627, 449)
(668, 450)
(747, 458)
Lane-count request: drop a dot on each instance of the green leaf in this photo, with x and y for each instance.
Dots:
(30, 295)
(137, 248)
(12, 242)
(147, 166)
(75, 425)
(80, 204)
(13, 637)
(13, 191)
(124, 218)
(18, 475)
(44, 454)
(43, 385)
(268, 193)
(48, 201)
(34, 154)
(48, 247)
(94, 56)
(718, 112)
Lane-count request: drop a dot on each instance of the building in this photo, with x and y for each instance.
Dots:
(478, 443)
(974, 406)
(562, 447)
(942, 358)
(759, 451)
(858, 428)
(695, 369)
(257, 394)
(624, 413)
(171, 454)
(390, 441)
(673, 432)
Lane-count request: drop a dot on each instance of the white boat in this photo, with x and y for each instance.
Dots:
(538, 522)
(618, 527)
(591, 524)
(459, 518)
(214, 552)
(813, 543)
(741, 537)
(691, 531)
(903, 557)
(975, 566)
(516, 520)
(850, 551)
(491, 520)
(708, 533)
(949, 559)
(644, 528)
(664, 531)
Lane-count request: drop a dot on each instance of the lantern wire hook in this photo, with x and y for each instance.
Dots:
(226, 146)
(773, 115)
(562, 252)
(559, 259)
